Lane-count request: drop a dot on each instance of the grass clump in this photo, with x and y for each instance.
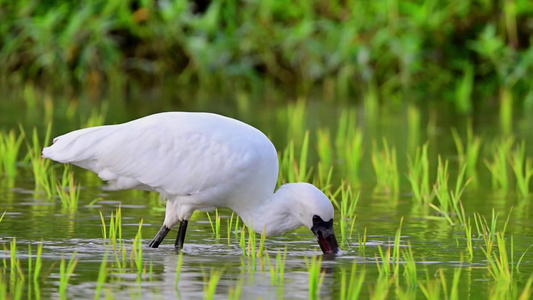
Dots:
(449, 201)
(43, 173)
(351, 283)
(386, 169)
(522, 169)
(468, 153)
(346, 207)
(136, 255)
(102, 277)
(277, 272)
(215, 226)
(291, 169)
(316, 275)
(9, 153)
(418, 175)
(115, 229)
(324, 150)
(409, 266)
(65, 273)
(211, 282)
(179, 264)
(349, 144)
(68, 191)
(498, 165)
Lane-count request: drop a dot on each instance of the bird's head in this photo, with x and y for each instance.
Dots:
(315, 211)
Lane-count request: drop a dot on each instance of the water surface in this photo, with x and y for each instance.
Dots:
(31, 218)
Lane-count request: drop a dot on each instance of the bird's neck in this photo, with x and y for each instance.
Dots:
(275, 215)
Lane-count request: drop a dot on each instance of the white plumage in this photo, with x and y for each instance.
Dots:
(198, 161)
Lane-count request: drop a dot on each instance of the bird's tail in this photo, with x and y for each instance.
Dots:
(74, 147)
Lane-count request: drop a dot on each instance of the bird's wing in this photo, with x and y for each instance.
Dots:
(158, 157)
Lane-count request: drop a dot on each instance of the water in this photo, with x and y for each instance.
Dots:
(31, 218)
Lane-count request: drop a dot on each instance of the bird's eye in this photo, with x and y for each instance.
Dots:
(316, 219)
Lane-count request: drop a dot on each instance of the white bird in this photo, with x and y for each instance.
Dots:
(199, 161)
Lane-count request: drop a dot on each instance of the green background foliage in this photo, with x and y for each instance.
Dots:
(465, 52)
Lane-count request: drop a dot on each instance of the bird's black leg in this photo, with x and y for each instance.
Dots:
(159, 236)
(181, 235)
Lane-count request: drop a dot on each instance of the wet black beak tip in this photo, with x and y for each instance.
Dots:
(328, 244)
(325, 236)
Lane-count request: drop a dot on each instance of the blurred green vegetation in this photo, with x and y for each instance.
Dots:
(470, 53)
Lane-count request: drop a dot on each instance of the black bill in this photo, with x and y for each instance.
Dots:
(325, 235)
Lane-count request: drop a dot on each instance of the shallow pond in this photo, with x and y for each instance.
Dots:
(428, 258)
